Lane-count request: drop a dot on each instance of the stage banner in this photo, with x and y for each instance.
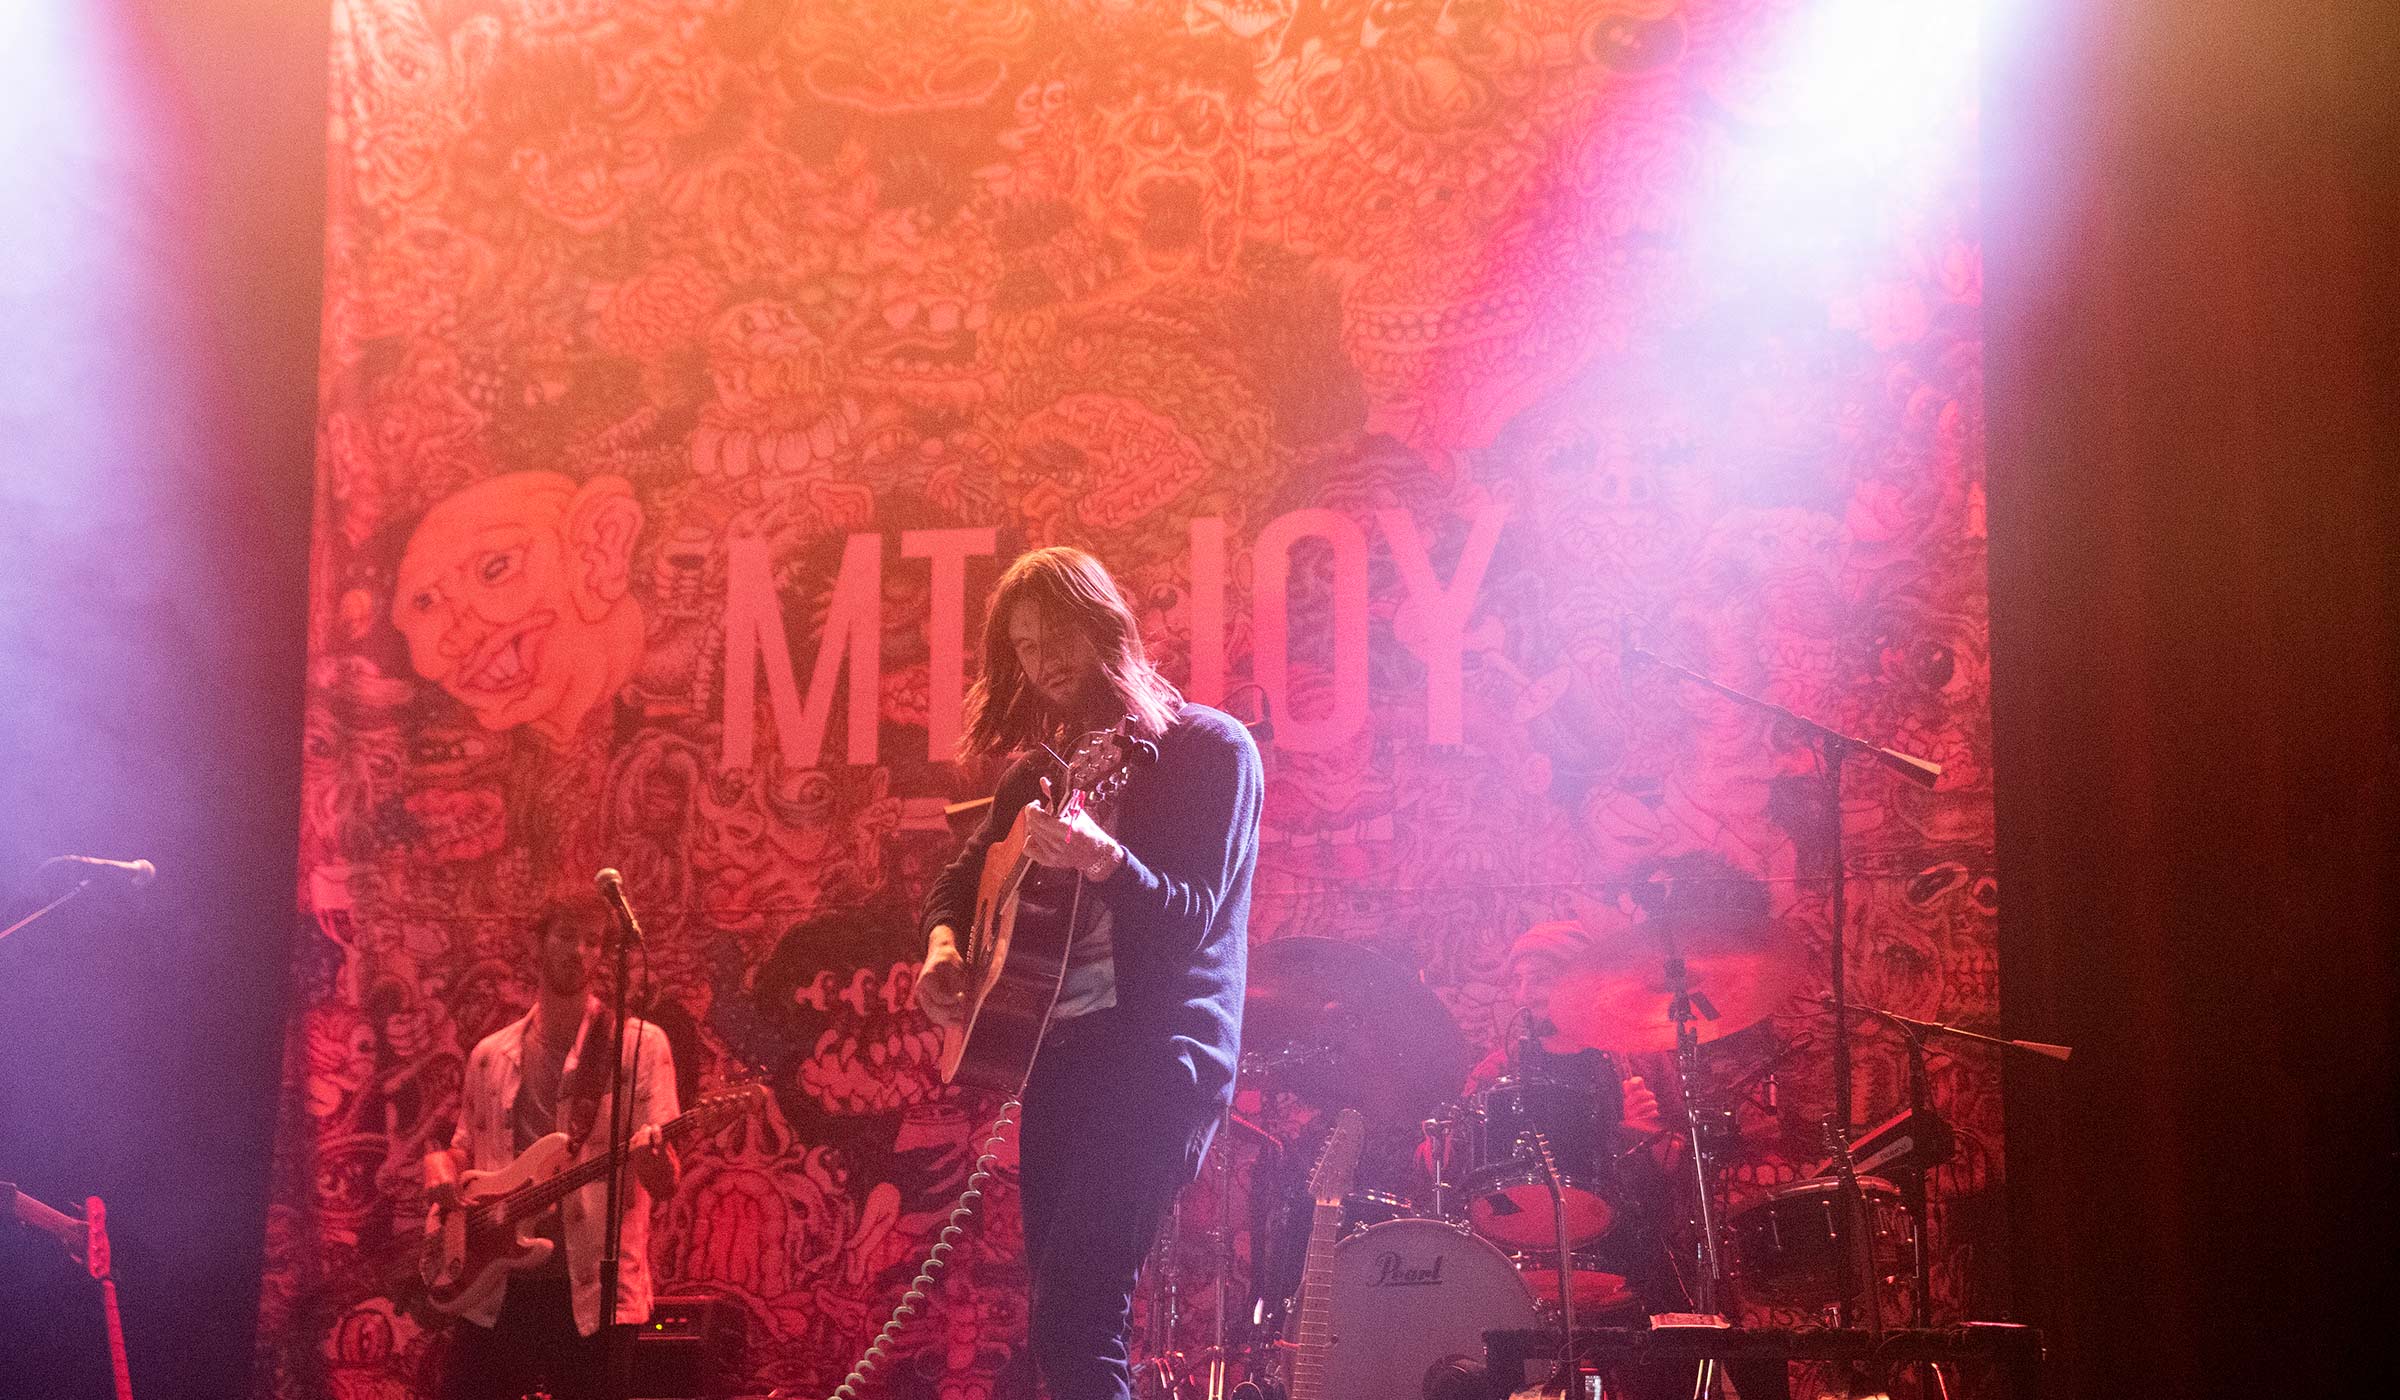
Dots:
(690, 369)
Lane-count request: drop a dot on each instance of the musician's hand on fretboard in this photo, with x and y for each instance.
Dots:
(1071, 841)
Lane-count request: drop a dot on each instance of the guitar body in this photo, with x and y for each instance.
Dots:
(476, 1243)
(1024, 930)
(466, 1262)
(1026, 916)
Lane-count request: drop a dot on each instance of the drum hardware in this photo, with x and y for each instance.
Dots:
(1854, 1243)
(1918, 1140)
(1165, 1372)
(1539, 1147)
(1436, 1131)
(1834, 748)
(1508, 1196)
(1363, 1209)
(1344, 1027)
(1685, 1008)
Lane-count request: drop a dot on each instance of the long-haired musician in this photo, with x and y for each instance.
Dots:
(1139, 1059)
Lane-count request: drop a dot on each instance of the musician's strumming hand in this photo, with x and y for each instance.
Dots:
(942, 981)
(441, 1178)
(1070, 841)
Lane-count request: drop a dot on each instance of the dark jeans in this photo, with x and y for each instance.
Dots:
(532, 1347)
(1104, 1145)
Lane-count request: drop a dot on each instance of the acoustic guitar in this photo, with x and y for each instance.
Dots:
(1026, 917)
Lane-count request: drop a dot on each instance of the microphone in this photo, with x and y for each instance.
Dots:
(135, 873)
(612, 890)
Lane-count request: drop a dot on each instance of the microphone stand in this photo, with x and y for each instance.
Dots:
(1834, 747)
(1931, 1147)
(615, 1361)
(1932, 1136)
(80, 886)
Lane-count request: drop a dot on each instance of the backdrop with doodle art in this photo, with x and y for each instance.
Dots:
(690, 367)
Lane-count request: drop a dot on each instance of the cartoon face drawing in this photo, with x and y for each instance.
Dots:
(513, 597)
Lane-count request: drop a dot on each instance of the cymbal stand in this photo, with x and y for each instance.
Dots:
(1686, 1008)
(1833, 747)
(1221, 1246)
(1159, 1376)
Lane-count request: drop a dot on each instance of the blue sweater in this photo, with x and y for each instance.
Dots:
(1179, 906)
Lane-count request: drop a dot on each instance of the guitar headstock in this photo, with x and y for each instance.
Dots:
(1337, 1165)
(715, 1110)
(1099, 763)
(95, 1237)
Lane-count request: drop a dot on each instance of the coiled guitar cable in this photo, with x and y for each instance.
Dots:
(937, 1258)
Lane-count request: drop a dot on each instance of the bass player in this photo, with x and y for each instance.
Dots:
(547, 1072)
(1137, 1063)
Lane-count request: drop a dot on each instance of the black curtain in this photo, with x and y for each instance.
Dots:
(2194, 207)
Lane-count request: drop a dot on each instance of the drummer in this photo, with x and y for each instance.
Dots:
(1535, 1047)
(1630, 1130)
(1646, 1155)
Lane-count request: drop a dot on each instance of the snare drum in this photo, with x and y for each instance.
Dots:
(1788, 1246)
(1507, 1193)
(1406, 1294)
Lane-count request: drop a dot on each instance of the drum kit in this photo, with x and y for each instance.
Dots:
(1466, 1205)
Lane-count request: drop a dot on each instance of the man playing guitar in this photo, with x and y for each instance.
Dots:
(1138, 1059)
(548, 1072)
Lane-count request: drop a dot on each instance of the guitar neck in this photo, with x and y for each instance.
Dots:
(529, 1201)
(116, 1341)
(1316, 1305)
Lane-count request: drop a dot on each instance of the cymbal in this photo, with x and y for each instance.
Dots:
(1617, 998)
(1345, 1027)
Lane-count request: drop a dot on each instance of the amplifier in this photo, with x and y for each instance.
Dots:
(694, 1347)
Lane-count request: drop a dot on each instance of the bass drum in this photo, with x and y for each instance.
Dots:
(1409, 1293)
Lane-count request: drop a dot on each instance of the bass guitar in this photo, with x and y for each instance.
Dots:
(1026, 916)
(477, 1241)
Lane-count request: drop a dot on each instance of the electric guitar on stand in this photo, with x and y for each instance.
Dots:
(96, 1260)
(478, 1241)
(86, 1241)
(1025, 922)
(1327, 1185)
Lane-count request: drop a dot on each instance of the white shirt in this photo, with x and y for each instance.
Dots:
(485, 1141)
